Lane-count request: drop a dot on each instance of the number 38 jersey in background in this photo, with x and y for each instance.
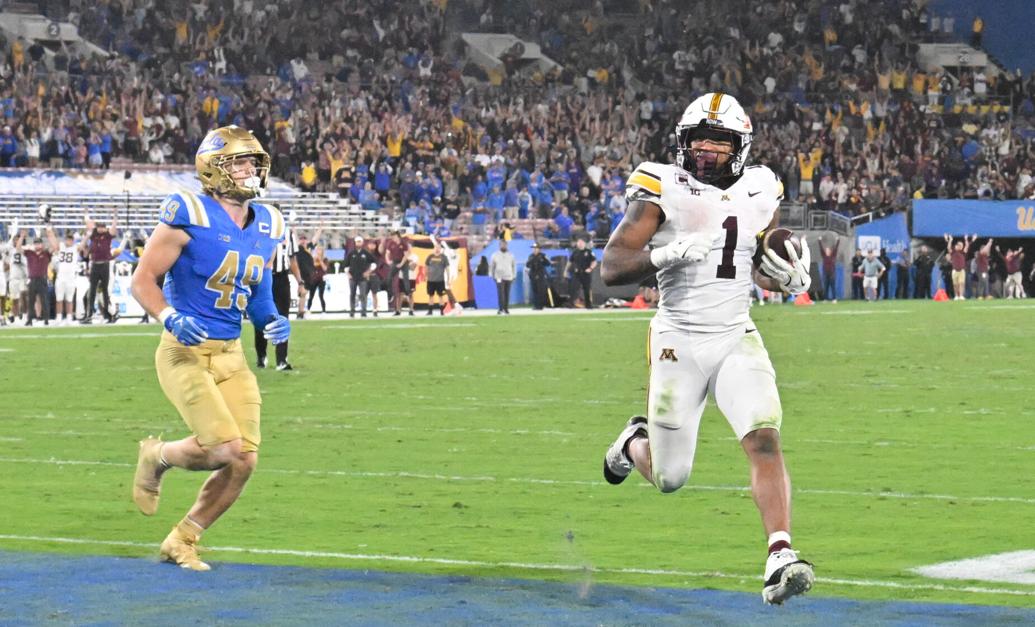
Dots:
(713, 295)
(213, 277)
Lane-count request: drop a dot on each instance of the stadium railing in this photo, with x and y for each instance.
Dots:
(134, 212)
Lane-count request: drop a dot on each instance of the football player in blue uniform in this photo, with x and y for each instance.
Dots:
(214, 252)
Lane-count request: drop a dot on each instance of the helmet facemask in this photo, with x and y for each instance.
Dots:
(220, 148)
(704, 164)
(252, 187)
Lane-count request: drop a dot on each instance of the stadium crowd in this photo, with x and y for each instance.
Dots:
(379, 104)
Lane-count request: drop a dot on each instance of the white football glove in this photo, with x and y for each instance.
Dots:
(692, 249)
(792, 276)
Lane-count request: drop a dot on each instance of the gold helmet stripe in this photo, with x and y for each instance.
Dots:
(713, 107)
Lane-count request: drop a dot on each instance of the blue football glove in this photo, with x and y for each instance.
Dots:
(185, 329)
(277, 329)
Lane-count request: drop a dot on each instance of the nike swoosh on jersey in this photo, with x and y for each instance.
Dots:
(753, 194)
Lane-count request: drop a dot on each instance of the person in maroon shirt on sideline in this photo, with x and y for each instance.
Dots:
(395, 254)
(98, 238)
(982, 259)
(1012, 260)
(957, 252)
(830, 269)
(37, 260)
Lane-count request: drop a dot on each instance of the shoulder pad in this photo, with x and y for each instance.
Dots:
(769, 178)
(645, 178)
(182, 210)
(278, 228)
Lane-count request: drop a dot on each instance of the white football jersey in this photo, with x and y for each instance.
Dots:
(67, 262)
(713, 295)
(16, 263)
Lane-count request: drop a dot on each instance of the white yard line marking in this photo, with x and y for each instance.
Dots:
(414, 559)
(403, 474)
(58, 335)
(305, 423)
(397, 325)
(863, 312)
(622, 319)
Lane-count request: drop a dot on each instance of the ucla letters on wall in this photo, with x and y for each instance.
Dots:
(986, 218)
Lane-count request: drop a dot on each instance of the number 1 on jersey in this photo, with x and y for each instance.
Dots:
(726, 269)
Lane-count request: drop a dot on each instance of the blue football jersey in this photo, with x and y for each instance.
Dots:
(217, 270)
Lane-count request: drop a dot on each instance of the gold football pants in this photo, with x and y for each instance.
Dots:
(213, 389)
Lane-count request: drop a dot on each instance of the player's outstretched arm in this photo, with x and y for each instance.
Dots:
(52, 240)
(626, 259)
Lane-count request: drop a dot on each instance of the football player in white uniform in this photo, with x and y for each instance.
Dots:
(17, 276)
(67, 263)
(5, 253)
(701, 218)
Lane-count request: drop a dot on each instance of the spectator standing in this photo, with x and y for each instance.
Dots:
(957, 250)
(857, 275)
(395, 252)
(982, 259)
(361, 265)
(829, 264)
(37, 260)
(882, 282)
(304, 259)
(538, 266)
(872, 270)
(944, 262)
(922, 267)
(99, 237)
(977, 31)
(1012, 260)
(317, 284)
(503, 269)
(404, 281)
(902, 275)
(378, 276)
(436, 266)
(583, 262)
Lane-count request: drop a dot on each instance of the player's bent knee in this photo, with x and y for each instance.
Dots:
(247, 461)
(763, 441)
(671, 480)
(224, 453)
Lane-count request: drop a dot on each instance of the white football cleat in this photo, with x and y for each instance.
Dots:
(786, 576)
(616, 465)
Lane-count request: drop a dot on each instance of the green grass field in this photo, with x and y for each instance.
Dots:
(473, 445)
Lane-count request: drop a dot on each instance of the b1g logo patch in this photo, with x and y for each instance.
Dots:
(668, 354)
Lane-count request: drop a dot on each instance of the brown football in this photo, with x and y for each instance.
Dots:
(773, 239)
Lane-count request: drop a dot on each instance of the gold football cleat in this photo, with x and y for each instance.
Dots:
(146, 482)
(182, 549)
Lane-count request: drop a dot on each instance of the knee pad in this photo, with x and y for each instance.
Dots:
(671, 479)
